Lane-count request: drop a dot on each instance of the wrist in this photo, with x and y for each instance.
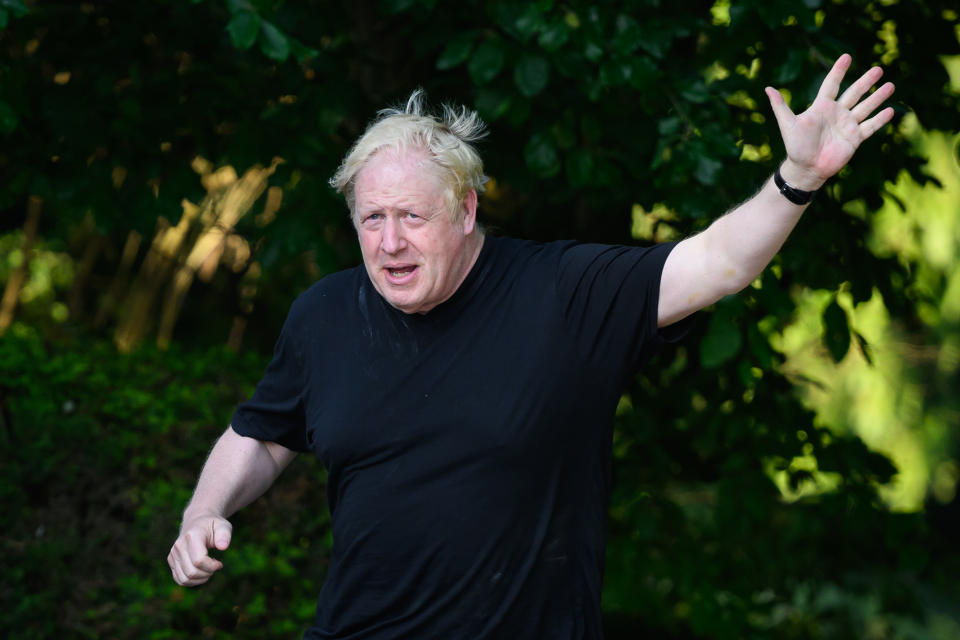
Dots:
(800, 177)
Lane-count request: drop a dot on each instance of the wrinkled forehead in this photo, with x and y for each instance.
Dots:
(391, 171)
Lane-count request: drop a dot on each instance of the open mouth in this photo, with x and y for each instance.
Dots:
(400, 274)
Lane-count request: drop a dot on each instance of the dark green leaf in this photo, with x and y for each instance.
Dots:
(531, 75)
(554, 35)
(628, 36)
(519, 19)
(695, 91)
(273, 42)
(593, 51)
(707, 170)
(456, 52)
(643, 72)
(721, 342)
(3, 18)
(243, 28)
(655, 39)
(541, 156)
(492, 103)
(836, 331)
(236, 6)
(790, 69)
(486, 62)
(16, 6)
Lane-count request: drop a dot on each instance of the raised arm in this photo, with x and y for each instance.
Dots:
(237, 472)
(732, 251)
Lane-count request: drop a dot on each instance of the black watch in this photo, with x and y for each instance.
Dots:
(794, 195)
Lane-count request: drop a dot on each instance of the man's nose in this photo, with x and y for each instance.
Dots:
(392, 240)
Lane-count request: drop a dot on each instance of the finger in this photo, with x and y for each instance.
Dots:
(199, 557)
(874, 100)
(222, 532)
(781, 111)
(193, 574)
(877, 122)
(831, 84)
(176, 569)
(854, 92)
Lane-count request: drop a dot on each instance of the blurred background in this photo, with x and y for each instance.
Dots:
(789, 471)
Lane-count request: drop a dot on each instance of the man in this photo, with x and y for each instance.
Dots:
(460, 389)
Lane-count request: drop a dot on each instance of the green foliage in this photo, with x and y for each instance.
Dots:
(99, 455)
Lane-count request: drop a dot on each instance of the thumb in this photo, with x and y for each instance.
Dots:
(781, 111)
(222, 532)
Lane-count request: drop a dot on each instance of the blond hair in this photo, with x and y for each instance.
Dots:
(446, 137)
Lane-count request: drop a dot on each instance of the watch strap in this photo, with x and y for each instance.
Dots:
(794, 195)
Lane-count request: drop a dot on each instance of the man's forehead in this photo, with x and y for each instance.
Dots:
(410, 171)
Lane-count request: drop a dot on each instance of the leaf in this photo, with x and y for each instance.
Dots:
(541, 156)
(628, 36)
(16, 6)
(643, 72)
(531, 75)
(456, 52)
(273, 43)
(3, 18)
(492, 103)
(721, 342)
(654, 39)
(243, 28)
(554, 35)
(836, 334)
(520, 19)
(707, 170)
(695, 91)
(790, 69)
(486, 62)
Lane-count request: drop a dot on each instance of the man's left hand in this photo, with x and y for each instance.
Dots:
(822, 139)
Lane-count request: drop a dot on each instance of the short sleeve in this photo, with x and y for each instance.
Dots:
(610, 296)
(275, 413)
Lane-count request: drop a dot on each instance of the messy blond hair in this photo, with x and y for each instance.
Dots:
(446, 137)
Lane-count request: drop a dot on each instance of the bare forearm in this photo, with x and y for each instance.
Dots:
(740, 245)
(237, 472)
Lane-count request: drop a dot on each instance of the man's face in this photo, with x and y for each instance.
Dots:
(415, 253)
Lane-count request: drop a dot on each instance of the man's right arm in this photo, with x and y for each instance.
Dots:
(237, 472)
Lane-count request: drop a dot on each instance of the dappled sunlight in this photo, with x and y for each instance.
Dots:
(881, 391)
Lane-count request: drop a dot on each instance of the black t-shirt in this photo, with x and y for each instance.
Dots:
(468, 448)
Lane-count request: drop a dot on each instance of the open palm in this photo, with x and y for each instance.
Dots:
(822, 139)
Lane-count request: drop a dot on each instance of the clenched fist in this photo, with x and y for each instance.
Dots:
(189, 559)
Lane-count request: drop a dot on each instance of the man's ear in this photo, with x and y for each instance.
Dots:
(469, 209)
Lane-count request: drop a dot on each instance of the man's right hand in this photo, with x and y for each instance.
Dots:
(189, 559)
